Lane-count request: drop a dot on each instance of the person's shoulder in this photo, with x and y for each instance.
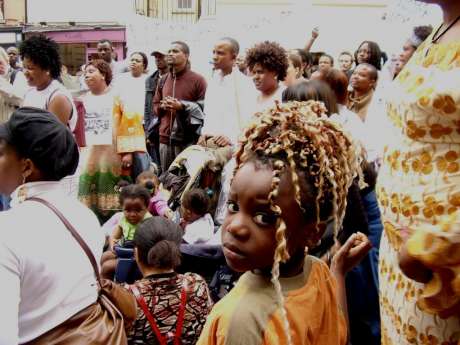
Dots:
(194, 281)
(199, 77)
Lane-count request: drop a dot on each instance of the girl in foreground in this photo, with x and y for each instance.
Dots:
(294, 168)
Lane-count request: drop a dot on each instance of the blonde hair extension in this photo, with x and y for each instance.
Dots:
(298, 137)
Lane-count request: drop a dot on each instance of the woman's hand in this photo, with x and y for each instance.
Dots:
(413, 268)
(351, 253)
(126, 160)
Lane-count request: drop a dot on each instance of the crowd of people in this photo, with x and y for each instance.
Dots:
(291, 198)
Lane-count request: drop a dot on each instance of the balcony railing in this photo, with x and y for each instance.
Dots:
(185, 11)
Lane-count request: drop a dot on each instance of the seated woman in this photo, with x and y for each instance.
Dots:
(135, 201)
(173, 307)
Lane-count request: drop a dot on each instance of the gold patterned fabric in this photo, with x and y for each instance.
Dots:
(419, 194)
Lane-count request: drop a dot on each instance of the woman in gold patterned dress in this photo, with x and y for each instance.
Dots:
(419, 193)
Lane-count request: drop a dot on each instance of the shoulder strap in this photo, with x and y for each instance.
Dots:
(74, 233)
(13, 76)
(48, 100)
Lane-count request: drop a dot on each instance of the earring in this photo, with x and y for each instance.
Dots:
(22, 193)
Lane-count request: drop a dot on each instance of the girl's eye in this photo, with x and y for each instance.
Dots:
(265, 219)
(232, 207)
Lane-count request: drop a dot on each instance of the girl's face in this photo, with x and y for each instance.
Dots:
(136, 64)
(11, 168)
(188, 215)
(134, 210)
(407, 52)
(364, 53)
(264, 80)
(248, 232)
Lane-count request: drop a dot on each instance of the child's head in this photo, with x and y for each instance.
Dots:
(195, 204)
(294, 168)
(149, 180)
(134, 200)
(157, 242)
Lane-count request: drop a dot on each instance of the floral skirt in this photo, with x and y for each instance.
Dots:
(100, 173)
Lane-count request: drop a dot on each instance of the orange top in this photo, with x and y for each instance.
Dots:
(250, 315)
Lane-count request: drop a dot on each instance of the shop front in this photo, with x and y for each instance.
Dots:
(78, 44)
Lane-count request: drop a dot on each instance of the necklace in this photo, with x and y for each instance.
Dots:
(436, 39)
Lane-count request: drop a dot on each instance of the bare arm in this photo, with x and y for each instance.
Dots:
(348, 256)
(115, 237)
(61, 107)
(314, 36)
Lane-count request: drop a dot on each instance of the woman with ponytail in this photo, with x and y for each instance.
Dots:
(172, 307)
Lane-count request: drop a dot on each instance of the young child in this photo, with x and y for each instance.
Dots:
(158, 205)
(294, 168)
(165, 292)
(134, 200)
(196, 221)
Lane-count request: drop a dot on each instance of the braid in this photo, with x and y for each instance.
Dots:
(298, 138)
(281, 253)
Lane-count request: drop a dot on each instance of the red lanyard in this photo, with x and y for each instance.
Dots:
(180, 317)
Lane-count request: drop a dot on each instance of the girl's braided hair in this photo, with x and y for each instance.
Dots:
(298, 138)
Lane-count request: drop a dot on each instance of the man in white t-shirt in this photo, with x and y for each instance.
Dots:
(230, 97)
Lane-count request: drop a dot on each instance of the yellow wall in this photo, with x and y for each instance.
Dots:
(14, 12)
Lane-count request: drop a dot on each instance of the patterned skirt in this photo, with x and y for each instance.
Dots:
(403, 322)
(100, 168)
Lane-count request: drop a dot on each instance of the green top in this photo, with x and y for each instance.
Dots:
(130, 229)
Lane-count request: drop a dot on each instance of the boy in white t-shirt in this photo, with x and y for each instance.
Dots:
(197, 223)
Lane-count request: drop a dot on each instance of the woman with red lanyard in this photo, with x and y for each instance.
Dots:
(172, 307)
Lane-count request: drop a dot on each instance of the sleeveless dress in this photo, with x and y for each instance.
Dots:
(419, 194)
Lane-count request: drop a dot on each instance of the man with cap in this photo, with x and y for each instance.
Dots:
(150, 119)
(178, 103)
(39, 289)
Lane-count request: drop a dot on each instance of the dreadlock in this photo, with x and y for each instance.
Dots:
(297, 138)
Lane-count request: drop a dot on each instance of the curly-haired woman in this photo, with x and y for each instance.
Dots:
(42, 67)
(268, 64)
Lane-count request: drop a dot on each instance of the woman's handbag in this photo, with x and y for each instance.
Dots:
(103, 322)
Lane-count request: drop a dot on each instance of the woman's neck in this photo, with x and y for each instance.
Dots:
(99, 90)
(450, 10)
(136, 74)
(148, 271)
(268, 93)
(44, 85)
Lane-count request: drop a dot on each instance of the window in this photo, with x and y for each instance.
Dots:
(184, 6)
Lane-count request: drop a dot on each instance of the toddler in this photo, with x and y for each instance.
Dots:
(158, 205)
(134, 200)
(196, 221)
